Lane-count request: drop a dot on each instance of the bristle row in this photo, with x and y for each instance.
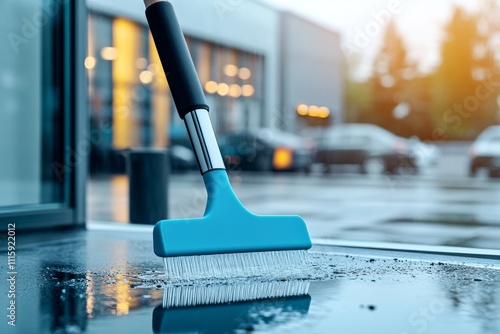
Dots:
(185, 296)
(249, 264)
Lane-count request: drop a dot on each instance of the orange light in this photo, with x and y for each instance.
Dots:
(90, 63)
(90, 295)
(126, 36)
(222, 89)
(235, 91)
(313, 111)
(283, 158)
(230, 70)
(302, 109)
(109, 53)
(146, 77)
(160, 99)
(245, 73)
(211, 87)
(247, 90)
(324, 112)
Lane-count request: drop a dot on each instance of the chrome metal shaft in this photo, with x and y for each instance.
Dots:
(202, 136)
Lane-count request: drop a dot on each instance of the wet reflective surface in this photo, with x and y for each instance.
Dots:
(430, 208)
(110, 282)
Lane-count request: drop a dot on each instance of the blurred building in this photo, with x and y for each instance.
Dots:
(259, 67)
(312, 74)
(250, 58)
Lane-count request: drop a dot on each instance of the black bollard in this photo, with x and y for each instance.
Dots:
(148, 170)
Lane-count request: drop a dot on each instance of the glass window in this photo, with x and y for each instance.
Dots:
(129, 95)
(32, 168)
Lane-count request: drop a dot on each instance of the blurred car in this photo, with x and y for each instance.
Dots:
(371, 148)
(485, 152)
(267, 150)
(181, 158)
(426, 154)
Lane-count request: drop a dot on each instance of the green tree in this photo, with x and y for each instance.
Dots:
(359, 102)
(391, 70)
(462, 102)
(488, 47)
(488, 54)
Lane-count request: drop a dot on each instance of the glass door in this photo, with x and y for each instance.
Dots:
(39, 151)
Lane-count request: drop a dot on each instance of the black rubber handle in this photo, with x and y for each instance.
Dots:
(175, 58)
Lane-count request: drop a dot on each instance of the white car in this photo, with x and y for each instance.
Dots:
(373, 149)
(485, 152)
(426, 154)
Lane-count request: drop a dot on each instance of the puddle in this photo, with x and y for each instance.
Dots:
(337, 291)
(239, 317)
(443, 219)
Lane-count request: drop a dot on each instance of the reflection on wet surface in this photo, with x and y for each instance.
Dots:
(111, 282)
(192, 294)
(419, 209)
(230, 317)
(67, 304)
(444, 219)
(119, 201)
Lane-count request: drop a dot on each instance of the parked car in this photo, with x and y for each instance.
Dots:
(485, 152)
(181, 158)
(426, 154)
(267, 150)
(371, 148)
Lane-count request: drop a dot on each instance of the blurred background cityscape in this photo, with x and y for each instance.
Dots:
(377, 121)
(283, 71)
(380, 115)
(253, 72)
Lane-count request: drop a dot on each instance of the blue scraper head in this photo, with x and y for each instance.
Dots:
(227, 227)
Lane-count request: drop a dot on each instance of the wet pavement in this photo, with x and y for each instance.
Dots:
(430, 209)
(111, 282)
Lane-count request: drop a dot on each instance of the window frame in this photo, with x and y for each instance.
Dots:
(71, 212)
